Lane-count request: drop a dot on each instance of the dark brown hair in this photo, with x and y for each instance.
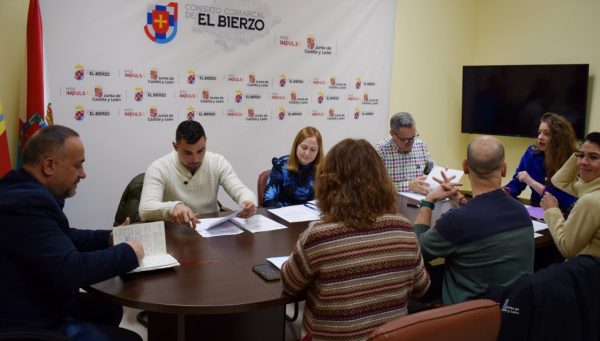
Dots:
(352, 185)
(562, 143)
(46, 142)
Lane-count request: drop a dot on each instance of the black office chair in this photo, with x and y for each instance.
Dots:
(31, 334)
(561, 302)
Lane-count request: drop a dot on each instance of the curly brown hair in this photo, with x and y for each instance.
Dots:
(562, 143)
(352, 185)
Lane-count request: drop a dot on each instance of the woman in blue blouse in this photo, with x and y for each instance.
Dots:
(555, 144)
(292, 177)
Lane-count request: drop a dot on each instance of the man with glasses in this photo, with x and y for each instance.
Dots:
(405, 156)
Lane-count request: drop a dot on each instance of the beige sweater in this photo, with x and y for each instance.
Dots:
(168, 183)
(580, 233)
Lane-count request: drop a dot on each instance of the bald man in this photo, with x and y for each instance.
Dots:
(486, 241)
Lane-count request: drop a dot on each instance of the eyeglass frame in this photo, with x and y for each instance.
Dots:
(405, 140)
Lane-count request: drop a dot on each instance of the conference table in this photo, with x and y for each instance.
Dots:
(214, 294)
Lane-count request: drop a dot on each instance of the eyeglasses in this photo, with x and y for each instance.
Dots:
(590, 156)
(405, 140)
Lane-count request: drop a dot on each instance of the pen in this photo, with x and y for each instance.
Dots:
(311, 206)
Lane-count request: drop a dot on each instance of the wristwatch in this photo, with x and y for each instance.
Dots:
(425, 203)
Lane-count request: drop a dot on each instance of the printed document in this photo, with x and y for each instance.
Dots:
(437, 172)
(221, 226)
(258, 223)
(539, 226)
(152, 237)
(231, 223)
(296, 213)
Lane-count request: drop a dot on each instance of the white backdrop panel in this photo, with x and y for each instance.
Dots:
(127, 119)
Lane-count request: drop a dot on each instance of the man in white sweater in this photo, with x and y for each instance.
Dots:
(184, 183)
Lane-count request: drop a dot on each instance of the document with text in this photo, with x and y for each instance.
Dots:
(297, 213)
(231, 223)
(258, 223)
(437, 172)
(152, 237)
(221, 226)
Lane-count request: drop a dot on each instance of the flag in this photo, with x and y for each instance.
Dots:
(4, 154)
(34, 115)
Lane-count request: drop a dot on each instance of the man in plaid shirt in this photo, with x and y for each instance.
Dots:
(405, 156)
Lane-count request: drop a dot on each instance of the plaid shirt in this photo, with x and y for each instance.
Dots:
(402, 167)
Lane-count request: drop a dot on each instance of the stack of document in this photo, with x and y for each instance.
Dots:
(230, 225)
(152, 237)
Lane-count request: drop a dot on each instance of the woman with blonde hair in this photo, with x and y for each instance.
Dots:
(555, 144)
(361, 263)
(292, 177)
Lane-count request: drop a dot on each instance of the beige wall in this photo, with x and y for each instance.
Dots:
(434, 38)
(13, 20)
(540, 32)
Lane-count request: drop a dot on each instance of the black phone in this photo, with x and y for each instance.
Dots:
(428, 167)
(267, 272)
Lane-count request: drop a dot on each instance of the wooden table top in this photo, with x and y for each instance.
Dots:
(215, 276)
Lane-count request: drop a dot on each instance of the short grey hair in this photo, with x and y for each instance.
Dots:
(401, 120)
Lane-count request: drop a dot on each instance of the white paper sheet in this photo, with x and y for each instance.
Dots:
(258, 223)
(437, 172)
(224, 228)
(297, 213)
(207, 223)
(539, 226)
(278, 261)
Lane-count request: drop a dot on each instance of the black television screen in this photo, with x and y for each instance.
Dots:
(511, 99)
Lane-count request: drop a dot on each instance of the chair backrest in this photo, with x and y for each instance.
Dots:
(261, 185)
(476, 320)
(130, 201)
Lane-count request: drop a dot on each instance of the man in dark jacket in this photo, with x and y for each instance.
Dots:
(43, 261)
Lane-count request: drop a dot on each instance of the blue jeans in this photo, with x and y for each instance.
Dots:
(91, 319)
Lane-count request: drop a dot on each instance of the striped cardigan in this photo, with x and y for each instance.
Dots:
(356, 279)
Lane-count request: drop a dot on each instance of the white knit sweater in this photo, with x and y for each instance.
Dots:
(168, 183)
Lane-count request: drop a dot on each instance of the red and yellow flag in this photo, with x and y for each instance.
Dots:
(5, 165)
(36, 98)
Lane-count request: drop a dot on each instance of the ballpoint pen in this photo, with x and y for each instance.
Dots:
(311, 206)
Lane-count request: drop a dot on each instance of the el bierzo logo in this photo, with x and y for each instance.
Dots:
(161, 23)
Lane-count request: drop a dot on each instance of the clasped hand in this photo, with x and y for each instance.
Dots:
(419, 185)
(447, 189)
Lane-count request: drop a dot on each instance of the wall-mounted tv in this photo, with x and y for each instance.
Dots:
(511, 99)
